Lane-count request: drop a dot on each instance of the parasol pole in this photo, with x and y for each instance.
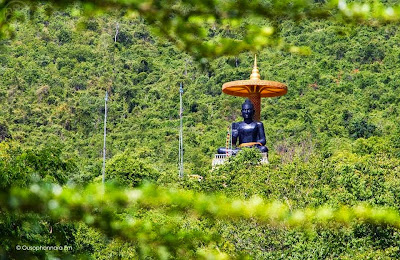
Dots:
(255, 98)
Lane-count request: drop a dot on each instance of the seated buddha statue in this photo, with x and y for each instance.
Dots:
(248, 133)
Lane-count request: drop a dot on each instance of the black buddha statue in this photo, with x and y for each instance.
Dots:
(249, 132)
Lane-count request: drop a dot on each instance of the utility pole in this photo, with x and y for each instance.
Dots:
(116, 32)
(181, 133)
(105, 133)
(103, 172)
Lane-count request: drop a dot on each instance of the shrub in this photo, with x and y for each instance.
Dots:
(127, 170)
(361, 128)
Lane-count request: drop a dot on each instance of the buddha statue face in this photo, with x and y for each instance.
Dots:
(247, 110)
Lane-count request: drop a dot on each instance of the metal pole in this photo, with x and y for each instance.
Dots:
(228, 138)
(116, 32)
(181, 133)
(105, 133)
(230, 141)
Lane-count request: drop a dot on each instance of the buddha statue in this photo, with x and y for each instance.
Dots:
(248, 133)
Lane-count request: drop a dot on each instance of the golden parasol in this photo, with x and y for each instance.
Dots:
(255, 89)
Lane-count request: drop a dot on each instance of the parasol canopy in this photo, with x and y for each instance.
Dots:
(255, 89)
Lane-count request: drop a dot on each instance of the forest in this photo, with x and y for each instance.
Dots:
(331, 188)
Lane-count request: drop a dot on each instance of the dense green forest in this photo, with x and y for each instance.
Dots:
(331, 189)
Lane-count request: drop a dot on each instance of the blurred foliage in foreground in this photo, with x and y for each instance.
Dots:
(102, 207)
(249, 25)
(312, 201)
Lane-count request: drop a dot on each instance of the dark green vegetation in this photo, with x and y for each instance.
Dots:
(334, 139)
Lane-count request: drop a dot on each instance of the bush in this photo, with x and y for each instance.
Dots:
(361, 128)
(64, 36)
(21, 167)
(4, 132)
(125, 169)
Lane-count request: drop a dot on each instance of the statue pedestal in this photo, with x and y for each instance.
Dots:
(220, 159)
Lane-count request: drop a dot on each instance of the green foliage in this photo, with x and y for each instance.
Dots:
(64, 36)
(246, 157)
(4, 131)
(93, 207)
(188, 23)
(20, 167)
(333, 139)
(361, 128)
(154, 234)
(127, 170)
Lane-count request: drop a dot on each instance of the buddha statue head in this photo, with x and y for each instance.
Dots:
(248, 110)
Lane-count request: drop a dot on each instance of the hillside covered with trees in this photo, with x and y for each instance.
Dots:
(331, 189)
